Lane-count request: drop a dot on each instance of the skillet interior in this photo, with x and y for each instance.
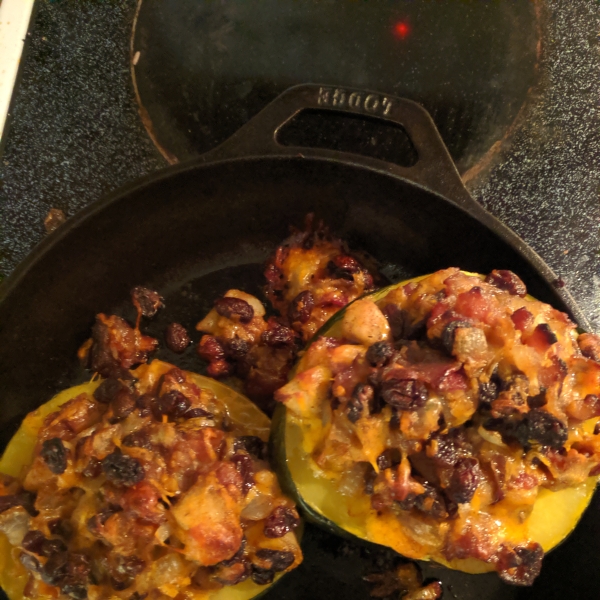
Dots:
(203, 229)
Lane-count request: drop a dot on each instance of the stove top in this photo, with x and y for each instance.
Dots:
(512, 86)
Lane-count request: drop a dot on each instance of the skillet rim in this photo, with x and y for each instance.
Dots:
(380, 168)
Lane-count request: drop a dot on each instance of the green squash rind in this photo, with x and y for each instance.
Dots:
(24, 455)
(277, 440)
(278, 454)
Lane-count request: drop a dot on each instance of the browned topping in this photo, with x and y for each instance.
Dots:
(406, 579)
(520, 565)
(589, 345)
(115, 347)
(165, 482)
(146, 301)
(463, 403)
(311, 276)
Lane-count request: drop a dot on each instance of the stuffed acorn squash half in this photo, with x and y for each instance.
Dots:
(452, 418)
(154, 485)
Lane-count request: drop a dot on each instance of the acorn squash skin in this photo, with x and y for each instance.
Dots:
(19, 454)
(580, 496)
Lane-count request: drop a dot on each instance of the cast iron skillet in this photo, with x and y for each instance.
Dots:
(195, 230)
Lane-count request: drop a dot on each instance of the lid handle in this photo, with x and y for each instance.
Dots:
(434, 168)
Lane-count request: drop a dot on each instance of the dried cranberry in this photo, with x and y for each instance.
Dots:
(370, 477)
(244, 466)
(24, 499)
(278, 336)
(146, 301)
(33, 542)
(196, 412)
(174, 376)
(78, 569)
(379, 354)
(343, 267)
(234, 307)
(404, 394)
(124, 570)
(522, 319)
(507, 281)
(397, 318)
(362, 396)
(61, 527)
(301, 307)
(597, 428)
(176, 338)
(77, 591)
(488, 392)
(54, 570)
(538, 400)
(173, 404)
(281, 521)
(520, 565)
(432, 503)
(239, 556)
(512, 428)
(234, 573)
(251, 444)
(219, 369)
(262, 576)
(388, 458)
(52, 546)
(54, 454)
(210, 348)
(354, 410)
(145, 403)
(280, 559)
(448, 448)
(463, 480)
(121, 469)
(546, 429)
(237, 348)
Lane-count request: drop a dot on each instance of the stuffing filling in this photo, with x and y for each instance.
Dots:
(445, 409)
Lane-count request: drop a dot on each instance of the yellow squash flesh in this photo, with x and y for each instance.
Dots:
(19, 455)
(554, 514)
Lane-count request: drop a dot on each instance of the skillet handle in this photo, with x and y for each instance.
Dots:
(434, 168)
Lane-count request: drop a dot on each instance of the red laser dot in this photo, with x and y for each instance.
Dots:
(401, 29)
